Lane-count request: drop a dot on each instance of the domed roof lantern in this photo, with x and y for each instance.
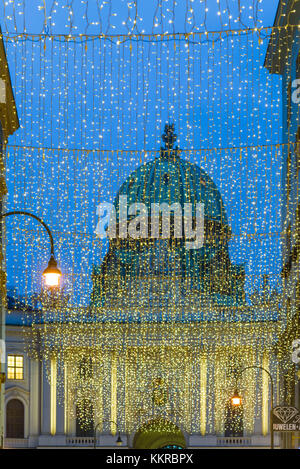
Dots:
(169, 138)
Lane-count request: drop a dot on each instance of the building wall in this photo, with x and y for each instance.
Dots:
(9, 123)
(2, 305)
(290, 219)
(34, 391)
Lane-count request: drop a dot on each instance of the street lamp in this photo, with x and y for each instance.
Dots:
(51, 274)
(236, 400)
(119, 440)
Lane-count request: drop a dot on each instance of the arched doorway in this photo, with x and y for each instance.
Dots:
(159, 433)
(234, 426)
(85, 419)
(15, 419)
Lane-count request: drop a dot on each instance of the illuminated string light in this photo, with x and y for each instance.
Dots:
(93, 103)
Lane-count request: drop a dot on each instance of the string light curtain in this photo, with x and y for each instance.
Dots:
(93, 108)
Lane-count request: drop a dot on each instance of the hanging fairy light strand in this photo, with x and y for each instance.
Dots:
(106, 17)
(166, 327)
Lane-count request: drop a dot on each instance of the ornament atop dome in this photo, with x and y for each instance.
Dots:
(169, 138)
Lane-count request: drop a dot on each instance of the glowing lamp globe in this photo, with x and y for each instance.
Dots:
(52, 273)
(236, 400)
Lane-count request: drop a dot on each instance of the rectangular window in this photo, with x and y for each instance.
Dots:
(15, 367)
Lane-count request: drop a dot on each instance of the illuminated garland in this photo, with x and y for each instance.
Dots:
(94, 115)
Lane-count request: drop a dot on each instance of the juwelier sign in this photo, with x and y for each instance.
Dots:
(286, 419)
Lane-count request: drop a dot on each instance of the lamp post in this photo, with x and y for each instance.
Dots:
(236, 400)
(119, 439)
(51, 275)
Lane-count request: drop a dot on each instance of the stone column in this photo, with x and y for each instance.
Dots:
(52, 418)
(113, 403)
(34, 406)
(203, 393)
(45, 402)
(60, 405)
(265, 396)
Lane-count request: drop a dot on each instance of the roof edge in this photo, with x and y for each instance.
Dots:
(286, 20)
(8, 110)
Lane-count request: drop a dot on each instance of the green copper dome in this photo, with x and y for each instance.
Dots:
(135, 262)
(170, 179)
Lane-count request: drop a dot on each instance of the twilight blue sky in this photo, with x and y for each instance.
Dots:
(115, 17)
(92, 109)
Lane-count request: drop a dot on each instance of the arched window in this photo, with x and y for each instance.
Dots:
(15, 419)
